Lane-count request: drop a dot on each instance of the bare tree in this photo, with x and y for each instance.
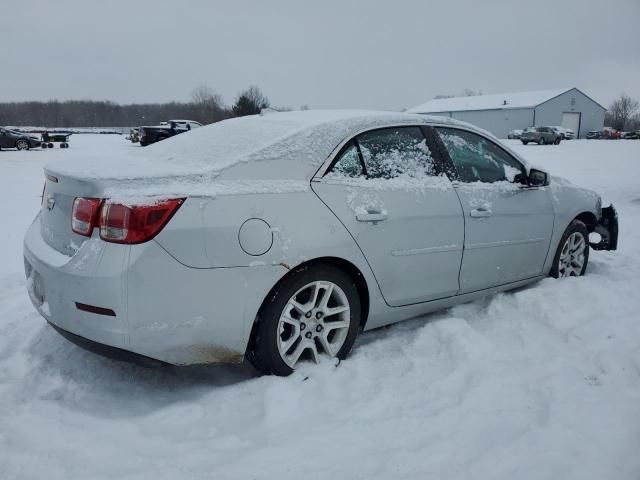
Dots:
(622, 110)
(208, 104)
(250, 102)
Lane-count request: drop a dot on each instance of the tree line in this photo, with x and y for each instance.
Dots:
(205, 106)
(623, 114)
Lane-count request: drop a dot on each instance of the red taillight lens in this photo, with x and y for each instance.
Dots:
(121, 223)
(84, 215)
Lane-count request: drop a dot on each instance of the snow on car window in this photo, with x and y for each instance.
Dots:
(395, 152)
(348, 163)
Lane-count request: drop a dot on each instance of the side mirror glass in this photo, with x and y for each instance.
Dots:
(538, 178)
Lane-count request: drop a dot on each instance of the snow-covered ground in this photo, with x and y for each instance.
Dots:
(542, 383)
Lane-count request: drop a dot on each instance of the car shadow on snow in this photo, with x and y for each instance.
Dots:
(79, 379)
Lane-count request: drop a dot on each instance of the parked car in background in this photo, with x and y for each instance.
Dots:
(565, 133)
(134, 135)
(541, 136)
(515, 134)
(634, 135)
(279, 238)
(19, 140)
(594, 135)
(153, 134)
(611, 133)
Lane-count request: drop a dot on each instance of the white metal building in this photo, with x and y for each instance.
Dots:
(502, 112)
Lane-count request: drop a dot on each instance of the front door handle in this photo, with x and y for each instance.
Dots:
(373, 216)
(481, 213)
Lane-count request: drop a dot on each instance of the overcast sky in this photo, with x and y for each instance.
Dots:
(389, 54)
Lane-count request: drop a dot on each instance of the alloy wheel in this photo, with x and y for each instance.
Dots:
(571, 261)
(22, 145)
(315, 319)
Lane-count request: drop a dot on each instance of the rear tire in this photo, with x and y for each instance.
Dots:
(572, 255)
(557, 142)
(314, 310)
(524, 143)
(541, 141)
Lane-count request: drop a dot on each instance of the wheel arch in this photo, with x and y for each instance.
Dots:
(344, 265)
(588, 218)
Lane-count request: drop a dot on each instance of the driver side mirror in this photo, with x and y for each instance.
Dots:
(538, 178)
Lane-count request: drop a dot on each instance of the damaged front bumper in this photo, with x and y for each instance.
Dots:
(607, 228)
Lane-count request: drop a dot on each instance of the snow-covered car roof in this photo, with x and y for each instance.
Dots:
(288, 146)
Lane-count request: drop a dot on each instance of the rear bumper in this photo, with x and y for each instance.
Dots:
(607, 227)
(140, 299)
(108, 351)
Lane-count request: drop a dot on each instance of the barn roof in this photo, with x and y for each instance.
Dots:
(494, 101)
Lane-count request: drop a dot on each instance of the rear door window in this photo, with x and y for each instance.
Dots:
(348, 163)
(385, 153)
(396, 152)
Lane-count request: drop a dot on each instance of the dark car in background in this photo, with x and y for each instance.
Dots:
(594, 135)
(153, 134)
(541, 136)
(635, 135)
(13, 139)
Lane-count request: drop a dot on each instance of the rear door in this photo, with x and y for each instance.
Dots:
(508, 225)
(388, 191)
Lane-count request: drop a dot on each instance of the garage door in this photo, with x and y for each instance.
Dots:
(571, 120)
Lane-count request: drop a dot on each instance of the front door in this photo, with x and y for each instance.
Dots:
(508, 225)
(407, 220)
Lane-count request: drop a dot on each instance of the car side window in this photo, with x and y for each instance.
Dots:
(348, 163)
(477, 159)
(394, 152)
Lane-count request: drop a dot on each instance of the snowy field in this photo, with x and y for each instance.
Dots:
(542, 383)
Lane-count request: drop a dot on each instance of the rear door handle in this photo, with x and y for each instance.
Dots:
(373, 216)
(481, 213)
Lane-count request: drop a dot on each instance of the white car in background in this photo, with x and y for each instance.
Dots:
(566, 133)
(278, 238)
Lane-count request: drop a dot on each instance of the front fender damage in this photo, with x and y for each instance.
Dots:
(607, 228)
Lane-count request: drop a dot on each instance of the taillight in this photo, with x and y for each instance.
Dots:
(120, 223)
(84, 215)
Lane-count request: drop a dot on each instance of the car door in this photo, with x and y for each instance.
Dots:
(508, 225)
(388, 191)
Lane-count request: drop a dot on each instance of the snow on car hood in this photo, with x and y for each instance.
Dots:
(274, 151)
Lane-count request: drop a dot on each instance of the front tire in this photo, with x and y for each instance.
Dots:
(22, 145)
(524, 143)
(541, 141)
(557, 142)
(572, 255)
(314, 310)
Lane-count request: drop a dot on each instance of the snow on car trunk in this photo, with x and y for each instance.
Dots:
(541, 383)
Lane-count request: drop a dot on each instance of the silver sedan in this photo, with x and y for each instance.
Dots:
(278, 237)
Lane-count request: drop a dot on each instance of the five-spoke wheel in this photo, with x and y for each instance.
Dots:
(573, 252)
(314, 311)
(316, 317)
